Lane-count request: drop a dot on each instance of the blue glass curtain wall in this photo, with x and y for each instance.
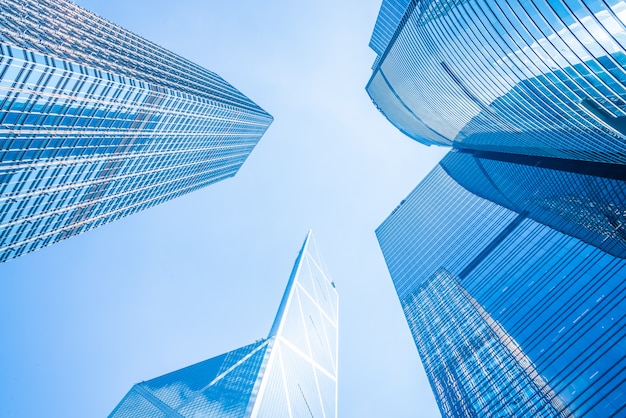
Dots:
(88, 135)
(502, 272)
(540, 78)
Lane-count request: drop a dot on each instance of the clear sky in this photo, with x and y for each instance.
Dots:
(85, 319)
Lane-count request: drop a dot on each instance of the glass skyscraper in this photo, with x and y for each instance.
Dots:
(292, 373)
(509, 258)
(97, 123)
(512, 283)
(545, 78)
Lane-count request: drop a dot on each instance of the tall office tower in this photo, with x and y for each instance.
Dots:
(545, 78)
(97, 123)
(515, 305)
(292, 373)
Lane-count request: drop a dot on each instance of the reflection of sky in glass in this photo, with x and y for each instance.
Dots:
(332, 163)
(218, 387)
(96, 123)
(483, 370)
(389, 16)
(301, 375)
(445, 197)
(559, 299)
(449, 65)
(587, 207)
(292, 373)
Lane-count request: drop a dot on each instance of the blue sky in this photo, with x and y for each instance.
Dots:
(84, 319)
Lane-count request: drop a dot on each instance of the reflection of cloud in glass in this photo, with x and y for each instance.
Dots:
(292, 373)
(526, 318)
(527, 78)
(591, 36)
(584, 206)
(475, 366)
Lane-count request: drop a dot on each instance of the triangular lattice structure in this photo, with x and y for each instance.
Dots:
(301, 375)
(291, 374)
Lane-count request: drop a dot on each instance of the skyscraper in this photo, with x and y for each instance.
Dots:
(97, 123)
(291, 373)
(515, 305)
(544, 78)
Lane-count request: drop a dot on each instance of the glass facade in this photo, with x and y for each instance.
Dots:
(97, 123)
(512, 317)
(590, 208)
(219, 387)
(545, 78)
(389, 17)
(499, 379)
(292, 373)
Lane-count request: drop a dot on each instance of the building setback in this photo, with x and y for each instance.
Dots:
(97, 123)
(569, 199)
(292, 373)
(512, 316)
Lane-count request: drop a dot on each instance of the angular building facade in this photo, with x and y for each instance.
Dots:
(97, 123)
(512, 285)
(544, 78)
(292, 373)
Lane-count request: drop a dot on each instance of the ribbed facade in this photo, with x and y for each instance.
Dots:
(511, 317)
(389, 17)
(544, 78)
(292, 373)
(485, 373)
(97, 123)
(590, 208)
